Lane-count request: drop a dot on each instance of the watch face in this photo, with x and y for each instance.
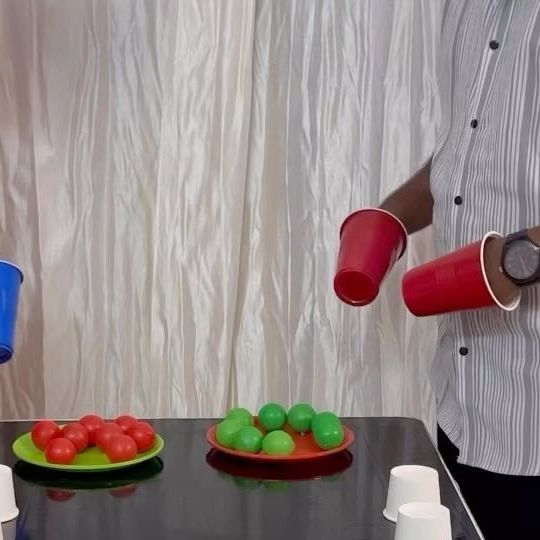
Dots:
(521, 260)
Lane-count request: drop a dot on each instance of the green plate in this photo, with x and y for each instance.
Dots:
(91, 460)
(74, 481)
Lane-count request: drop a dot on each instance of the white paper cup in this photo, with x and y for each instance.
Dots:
(408, 484)
(8, 507)
(10, 530)
(423, 521)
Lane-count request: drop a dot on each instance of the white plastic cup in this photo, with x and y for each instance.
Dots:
(9, 530)
(408, 484)
(423, 521)
(8, 506)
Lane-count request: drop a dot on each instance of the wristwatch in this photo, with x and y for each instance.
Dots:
(520, 260)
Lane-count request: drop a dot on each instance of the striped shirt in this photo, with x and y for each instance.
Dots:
(486, 176)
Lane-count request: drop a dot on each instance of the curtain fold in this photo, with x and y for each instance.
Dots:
(173, 177)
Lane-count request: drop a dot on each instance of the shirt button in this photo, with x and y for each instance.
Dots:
(463, 351)
(458, 200)
(493, 45)
(474, 123)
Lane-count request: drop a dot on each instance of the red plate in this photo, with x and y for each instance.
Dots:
(305, 447)
(311, 469)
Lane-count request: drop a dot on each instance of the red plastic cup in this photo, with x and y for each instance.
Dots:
(372, 240)
(454, 282)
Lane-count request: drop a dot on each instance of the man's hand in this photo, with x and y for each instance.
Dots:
(534, 234)
(363, 262)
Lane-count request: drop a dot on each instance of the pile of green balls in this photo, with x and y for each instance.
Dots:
(239, 432)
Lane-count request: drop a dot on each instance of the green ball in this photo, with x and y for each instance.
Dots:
(272, 416)
(247, 484)
(331, 479)
(241, 414)
(278, 443)
(226, 431)
(276, 485)
(299, 417)
(248, 439)
(327, 430)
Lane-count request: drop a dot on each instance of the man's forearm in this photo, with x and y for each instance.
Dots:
(412, 203)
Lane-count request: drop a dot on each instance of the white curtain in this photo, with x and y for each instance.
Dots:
(173, 177)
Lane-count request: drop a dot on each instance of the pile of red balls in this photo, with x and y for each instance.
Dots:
(121, 440)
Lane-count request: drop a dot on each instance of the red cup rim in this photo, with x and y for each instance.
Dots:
(380, 210)
(512, 306)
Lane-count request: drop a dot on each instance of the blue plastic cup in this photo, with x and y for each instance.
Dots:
(11, 278)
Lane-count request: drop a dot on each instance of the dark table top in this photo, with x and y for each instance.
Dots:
(195, 496)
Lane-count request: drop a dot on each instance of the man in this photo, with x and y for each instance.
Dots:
(484, 175)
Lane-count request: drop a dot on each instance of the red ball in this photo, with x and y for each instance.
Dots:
(146, 426)
(92, 422)
(77, 434)
(123, 492)
(144, 438)
(121, 448)
(60, 451)
(58, 495)
(126, 421)
(43, 432)
(105, 433)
